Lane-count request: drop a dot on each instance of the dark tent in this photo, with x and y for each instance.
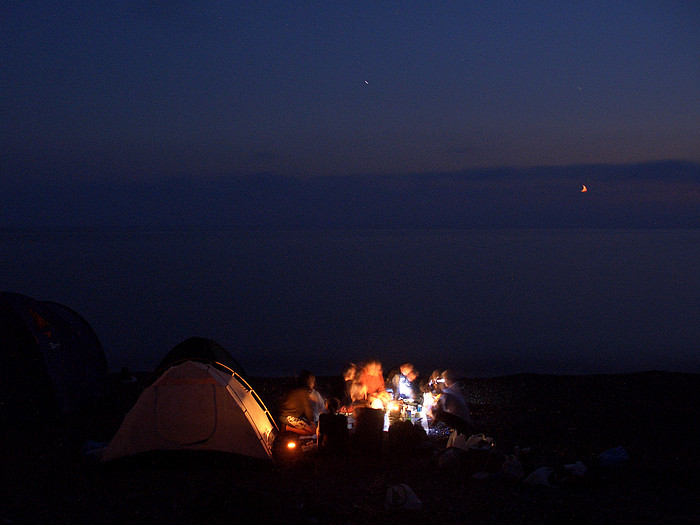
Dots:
(51, 360)
(199, 349)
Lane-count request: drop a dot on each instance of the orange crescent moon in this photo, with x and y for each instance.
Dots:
(584, 189)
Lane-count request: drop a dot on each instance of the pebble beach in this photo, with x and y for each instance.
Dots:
(560, 420)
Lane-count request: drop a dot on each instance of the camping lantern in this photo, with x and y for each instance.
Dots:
(288, 450)
(395, 409)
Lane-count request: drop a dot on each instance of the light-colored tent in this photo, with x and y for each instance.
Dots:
(195, 406)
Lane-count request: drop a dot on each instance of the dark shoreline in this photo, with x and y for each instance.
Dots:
(655, 416)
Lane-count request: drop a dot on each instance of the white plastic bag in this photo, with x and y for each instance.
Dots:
(402, 497)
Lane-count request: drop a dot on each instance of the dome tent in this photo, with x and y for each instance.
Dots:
(202, 350)
(195, 406)
(51, 360)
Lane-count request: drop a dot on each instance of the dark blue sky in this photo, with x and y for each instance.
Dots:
(160, 114)
(148, 90)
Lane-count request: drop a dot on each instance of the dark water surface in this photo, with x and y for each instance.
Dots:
(487, 302)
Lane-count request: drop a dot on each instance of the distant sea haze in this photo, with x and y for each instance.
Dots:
(652, 195)
(483, 301)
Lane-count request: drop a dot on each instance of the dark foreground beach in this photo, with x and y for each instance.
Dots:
(654, 416)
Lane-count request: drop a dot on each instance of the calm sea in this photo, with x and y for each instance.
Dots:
(487, 302)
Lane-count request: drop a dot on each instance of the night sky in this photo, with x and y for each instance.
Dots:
(146, 115)
(149, 90)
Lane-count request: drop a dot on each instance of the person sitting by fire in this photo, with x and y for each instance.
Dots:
(451, 408)
(295, 411)
(402, 382)
(342, 387)
(436, 382)
(429, 399)
(371, 384)
(318, 402)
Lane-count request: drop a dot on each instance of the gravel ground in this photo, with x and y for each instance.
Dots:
(563, 419)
